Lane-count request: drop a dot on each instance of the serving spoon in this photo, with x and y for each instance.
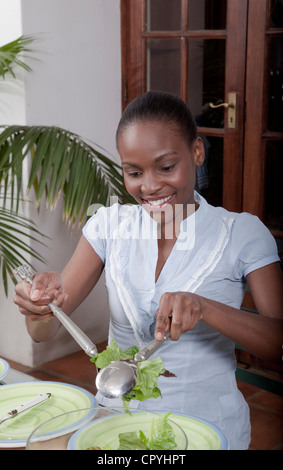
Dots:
(119, 377)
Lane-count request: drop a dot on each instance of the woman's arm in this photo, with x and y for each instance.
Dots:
(67, 291)
(261, 334)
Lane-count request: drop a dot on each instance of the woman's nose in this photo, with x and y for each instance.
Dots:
(150, 184)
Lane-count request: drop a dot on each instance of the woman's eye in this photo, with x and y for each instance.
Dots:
(133, 174)
(168, 168)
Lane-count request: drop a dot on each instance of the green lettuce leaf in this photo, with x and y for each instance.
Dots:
(147, 371)
(146, 386)
(132, 441)
(162, 437)
(113, 353)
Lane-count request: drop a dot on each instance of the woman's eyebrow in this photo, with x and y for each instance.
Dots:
(130, 164)
(157, 159)
(164, 155)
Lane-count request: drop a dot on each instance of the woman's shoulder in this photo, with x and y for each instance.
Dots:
(108, 218)
(245, 227)
(113, 210)
(251, 244)
(244, 220)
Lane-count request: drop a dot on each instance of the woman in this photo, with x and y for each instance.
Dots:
(173, 262)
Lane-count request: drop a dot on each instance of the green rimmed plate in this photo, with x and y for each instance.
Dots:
(64, 398)
(105, 430)
(4, 368)
(201, 435)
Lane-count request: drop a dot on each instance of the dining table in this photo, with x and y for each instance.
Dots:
(72, 410)
(16, 376)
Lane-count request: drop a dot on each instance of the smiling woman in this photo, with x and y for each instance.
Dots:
(191, 283)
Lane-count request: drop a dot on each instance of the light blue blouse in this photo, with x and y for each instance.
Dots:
(213, 254)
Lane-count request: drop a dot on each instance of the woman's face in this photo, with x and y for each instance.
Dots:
(159, 168)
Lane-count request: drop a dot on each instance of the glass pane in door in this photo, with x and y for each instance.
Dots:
(273, 185)
(209, 177)
(276, 16)
(275, 88)
(163, 66)
(207, 14)
(163, 15)
(206, 80)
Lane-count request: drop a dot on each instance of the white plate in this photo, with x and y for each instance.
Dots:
(4, 368)
(201, 434)
(64, 397)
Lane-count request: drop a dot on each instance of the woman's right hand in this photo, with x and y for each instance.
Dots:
(33, 300)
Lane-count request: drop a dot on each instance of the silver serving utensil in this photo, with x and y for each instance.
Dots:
(30, 404)
(150, 348)
(79, 336)
(119, 377)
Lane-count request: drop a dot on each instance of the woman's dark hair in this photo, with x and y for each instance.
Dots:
(162, 107)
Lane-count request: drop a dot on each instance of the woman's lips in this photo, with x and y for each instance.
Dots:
(156, 204)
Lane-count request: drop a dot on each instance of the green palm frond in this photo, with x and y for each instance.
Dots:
(10, 55)
(15, 234)
(60, 163)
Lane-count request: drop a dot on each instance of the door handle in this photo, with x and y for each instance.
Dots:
(232, 109)
(224, 105)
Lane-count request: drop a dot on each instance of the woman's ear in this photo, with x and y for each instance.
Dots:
(199, 153)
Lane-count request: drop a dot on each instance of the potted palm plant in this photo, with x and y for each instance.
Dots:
(60, 163)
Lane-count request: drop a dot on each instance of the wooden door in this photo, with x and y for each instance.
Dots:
(263, 146)
(212, 52)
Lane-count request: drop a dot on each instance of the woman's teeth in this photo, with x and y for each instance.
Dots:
(159, 202)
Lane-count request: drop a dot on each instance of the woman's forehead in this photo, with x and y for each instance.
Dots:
(151, 128)
(155, 136)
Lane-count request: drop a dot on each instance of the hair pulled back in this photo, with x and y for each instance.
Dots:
(162, 107)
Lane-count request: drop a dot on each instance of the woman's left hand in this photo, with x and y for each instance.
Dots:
(179, 312)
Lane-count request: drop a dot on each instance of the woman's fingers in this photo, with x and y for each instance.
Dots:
(179, 311)
(34, 299)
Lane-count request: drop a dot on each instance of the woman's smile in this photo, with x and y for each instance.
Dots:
(157, 204)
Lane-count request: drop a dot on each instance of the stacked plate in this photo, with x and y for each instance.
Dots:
(64, 398)
(4, 368)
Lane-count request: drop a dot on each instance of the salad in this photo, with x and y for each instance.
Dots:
(161, 436)
(147, 371)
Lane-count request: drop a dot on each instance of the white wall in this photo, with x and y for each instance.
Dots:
(75, 84)
(12, 96)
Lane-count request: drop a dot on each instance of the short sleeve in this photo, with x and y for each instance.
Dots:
(96, 231)
(252, 245)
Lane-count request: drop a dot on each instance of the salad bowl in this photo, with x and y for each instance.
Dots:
(127, 429)
(111, 429)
